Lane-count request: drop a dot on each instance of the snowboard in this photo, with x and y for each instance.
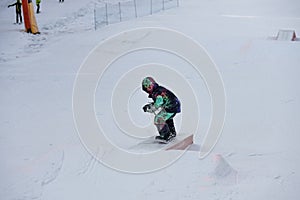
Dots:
(163, 141)
(180, 142)
(33, 25)
(26, 16)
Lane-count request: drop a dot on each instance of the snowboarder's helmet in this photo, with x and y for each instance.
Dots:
(149, 84)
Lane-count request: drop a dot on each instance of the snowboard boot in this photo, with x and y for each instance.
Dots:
(164, 133)
(159, 137)
(170, 123)
(164, 140)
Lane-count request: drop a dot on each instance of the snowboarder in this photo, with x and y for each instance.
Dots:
(165, 106)
(38, 2)
(61, 1)
(18, 5)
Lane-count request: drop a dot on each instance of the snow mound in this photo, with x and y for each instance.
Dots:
(224, 173)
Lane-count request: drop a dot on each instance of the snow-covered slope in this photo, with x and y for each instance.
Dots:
(257, 156)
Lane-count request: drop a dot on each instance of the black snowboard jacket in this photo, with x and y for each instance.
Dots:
(166, 99)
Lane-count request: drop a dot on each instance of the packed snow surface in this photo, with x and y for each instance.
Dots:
(256, 157)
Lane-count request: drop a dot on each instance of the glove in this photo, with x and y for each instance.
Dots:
(146, 107)
(149, 108)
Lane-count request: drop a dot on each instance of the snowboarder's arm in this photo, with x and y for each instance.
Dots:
(159, 101)
(151, 108)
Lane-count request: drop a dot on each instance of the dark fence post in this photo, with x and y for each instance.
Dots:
(120, 12)
(135, 8)
(106, 14)
(95, 19)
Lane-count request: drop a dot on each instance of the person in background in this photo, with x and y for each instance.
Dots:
(18, 5)
(38, 2)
